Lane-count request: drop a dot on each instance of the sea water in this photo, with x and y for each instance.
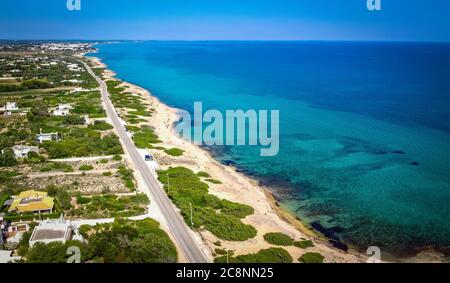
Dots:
(364, 127)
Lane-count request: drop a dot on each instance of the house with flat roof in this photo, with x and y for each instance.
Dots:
(62, 110)
(32, 201)
(51, 231)
(42, 137)
(21, 151)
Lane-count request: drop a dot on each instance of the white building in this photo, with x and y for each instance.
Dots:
(6, 257)
(47, 137)
(21, 151)
(10, 106)
(72, 81)
(51, 231)
(62, 110)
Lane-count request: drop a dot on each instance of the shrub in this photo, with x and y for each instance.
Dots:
(83, 200)
(304, 244)
(174, 151)
(213, 181)
(271, 255)
(106, 174)
(203, 174)
(86, 167)
(74, 120)
(100, 126)
(127, 177)
(145, 137)
(220, 251)
(117, 158)
(57, 166)
(311, 258)
(7, 158)
(278, 239)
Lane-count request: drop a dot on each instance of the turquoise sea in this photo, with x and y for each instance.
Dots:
(364, 127)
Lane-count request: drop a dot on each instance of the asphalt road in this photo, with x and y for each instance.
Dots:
(180, 231)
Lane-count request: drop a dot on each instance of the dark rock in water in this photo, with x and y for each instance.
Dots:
(414, 163)
(398, 152)
(381, 152)
(331, 233)
(229, 162)
(376, 167)
(339, 245)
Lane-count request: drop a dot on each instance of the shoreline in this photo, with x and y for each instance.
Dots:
(236, 186)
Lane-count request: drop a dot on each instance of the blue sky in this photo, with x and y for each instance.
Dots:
(400, 20)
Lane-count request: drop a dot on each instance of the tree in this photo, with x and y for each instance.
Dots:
(152, 249)
(74, 120)
(7, 158)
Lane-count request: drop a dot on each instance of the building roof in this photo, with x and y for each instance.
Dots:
(26, 147)
(29, 201)
(5, 257)
(51, 231)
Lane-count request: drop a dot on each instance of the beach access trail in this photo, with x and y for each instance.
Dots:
(183, 236)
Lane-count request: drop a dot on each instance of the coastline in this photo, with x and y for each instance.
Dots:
(236, 186)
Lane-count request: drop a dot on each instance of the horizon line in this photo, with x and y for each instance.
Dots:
(242, 40)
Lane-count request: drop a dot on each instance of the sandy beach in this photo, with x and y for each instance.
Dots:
(235, 186)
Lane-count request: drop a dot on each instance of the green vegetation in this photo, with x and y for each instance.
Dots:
(141, 113)
(123, 241)
(278, 239)
(83, 200)
(106, 206)
(122, 99)
(56, 166)
(74, 120)
(174, 151)
(117, 158)
(61, 195)
(6, 176)
(304, 244)
(213, 181)
(7, 158)
(311, 258)
(100, 126)
(220, 217)
(127, 177)
(203, 174)
(220, 251)
(145, 137)
(271, 255)
(86, 167)
(34, 158)
(3, 197)
(25, 85)
(83, 143)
